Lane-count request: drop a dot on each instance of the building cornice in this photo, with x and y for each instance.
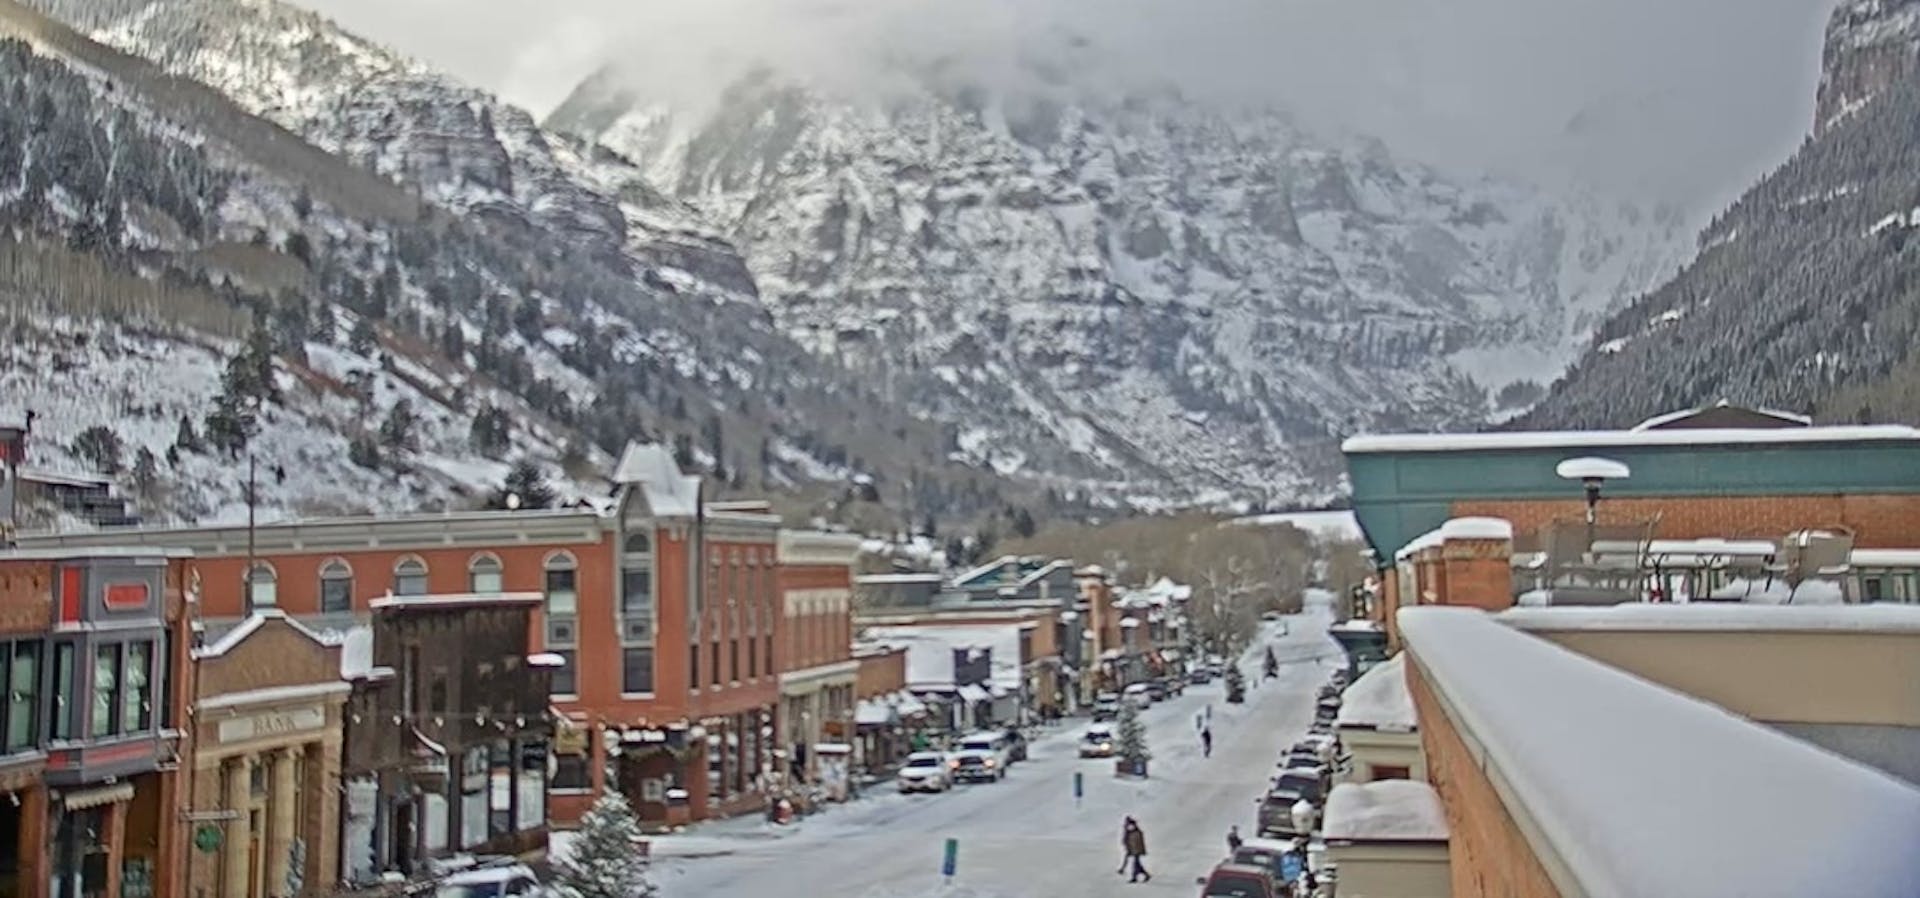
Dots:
(477, 528)
(819, 547)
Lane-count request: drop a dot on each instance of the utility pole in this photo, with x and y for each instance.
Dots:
(252, 500)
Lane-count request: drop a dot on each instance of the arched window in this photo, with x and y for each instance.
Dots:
(410, 577)
(336, 586)
(263, 586)
(638, 543)
(483, 574)
(562, 585)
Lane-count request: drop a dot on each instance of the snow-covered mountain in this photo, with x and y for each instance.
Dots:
(1185, 294)
(460, 147)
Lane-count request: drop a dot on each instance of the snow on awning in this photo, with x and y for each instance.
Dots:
(908, 704)
(1385, 811)
(1112, 655)
(971, 693)
(1379, 698)
(1001, 690)
(872, 713)
(1171, 654)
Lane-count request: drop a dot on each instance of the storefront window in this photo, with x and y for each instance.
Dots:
(531, 787)
(136, 712)
(106, 691)
(570, 774)
(23, 695)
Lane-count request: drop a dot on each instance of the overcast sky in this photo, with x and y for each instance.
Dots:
(1687, 100)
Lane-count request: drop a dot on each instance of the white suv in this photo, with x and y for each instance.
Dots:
(924, 771)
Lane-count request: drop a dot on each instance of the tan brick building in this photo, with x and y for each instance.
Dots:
(265, 782)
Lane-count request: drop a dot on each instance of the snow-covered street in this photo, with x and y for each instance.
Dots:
(1026, 837)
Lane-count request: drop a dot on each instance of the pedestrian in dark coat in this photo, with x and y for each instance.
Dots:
(1206, 742)
(1135, 840)
(1233, 840)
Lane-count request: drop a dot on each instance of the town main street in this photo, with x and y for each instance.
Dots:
(1027, 837)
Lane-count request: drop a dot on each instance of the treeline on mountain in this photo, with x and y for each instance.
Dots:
(120, 189)
(1803, 296)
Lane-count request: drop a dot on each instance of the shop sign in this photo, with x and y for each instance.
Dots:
(278, 723)
(207, 838)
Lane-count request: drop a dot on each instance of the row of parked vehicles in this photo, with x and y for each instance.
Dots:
(1276, 861)
(977, 758)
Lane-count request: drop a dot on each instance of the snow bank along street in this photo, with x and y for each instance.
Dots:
(1027, 836)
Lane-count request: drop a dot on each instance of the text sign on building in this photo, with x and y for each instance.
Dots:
(125, 596)
(275, 724)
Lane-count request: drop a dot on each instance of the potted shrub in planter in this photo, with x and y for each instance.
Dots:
(1130, 748)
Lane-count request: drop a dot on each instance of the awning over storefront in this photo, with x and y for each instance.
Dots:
(93, 798)
(907, 704)
(873, 713)
(971, 693)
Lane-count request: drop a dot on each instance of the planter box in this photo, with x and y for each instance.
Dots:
(1124, 767)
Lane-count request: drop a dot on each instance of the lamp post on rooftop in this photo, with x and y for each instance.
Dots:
(1593, 473)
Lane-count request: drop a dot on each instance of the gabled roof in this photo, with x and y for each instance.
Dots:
(1757, 417)
(231, 639)
(650, 468)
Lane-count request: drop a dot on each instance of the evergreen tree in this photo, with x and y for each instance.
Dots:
(230, 425)
(529, 319)
(527, 483)
(185, 438)
(362, 340)
(101, 446)
(363, 451)
(490, 433)
(1235, 680)
(1131, 736)
(396, 432)
(146, 472)
(603, 862)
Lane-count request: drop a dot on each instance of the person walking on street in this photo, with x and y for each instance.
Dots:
(1206, 742)
(1134, 840)
(1233, 840)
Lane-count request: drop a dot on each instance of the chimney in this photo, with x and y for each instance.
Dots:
(1476, 563)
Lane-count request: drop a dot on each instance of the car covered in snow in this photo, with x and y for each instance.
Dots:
(1106, 706)
(1098, 741)
(494, 880)
(924, 771)
(1140, 694)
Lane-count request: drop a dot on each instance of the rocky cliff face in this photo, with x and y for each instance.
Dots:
(1205, 296)
(1870, 45)
(461, 148)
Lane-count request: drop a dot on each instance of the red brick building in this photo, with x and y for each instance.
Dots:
(95, 647)
(818, 672)
(665, 609)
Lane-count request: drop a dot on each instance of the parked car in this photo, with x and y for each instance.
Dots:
(1098, 741)
(1106, 706)
(1199, 676)
(1156, 689)
(492, 881)
(1264, 853)
(1307, 782)
(924, 771)
(1139, 694)
(1175, 685)
(1231, 880)
(975, 767)
(1275, 817)
(1236, 693)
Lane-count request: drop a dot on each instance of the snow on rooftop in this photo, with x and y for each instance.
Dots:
(1640, 790)
(1379, 698)
(1476, 528)
(930, 651)
(1602, 439)
(1385, 810)
(1589, 467)
(1886, 558)
(1658, 421)
(356, 652)
(1877, 618)
(651, 467)
(1777, 591)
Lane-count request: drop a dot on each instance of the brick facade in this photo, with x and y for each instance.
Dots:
(883, 671)
(1487, 852)
(1477, 572)
(1878, 521)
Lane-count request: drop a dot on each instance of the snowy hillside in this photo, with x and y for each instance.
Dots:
(1177, 294)
(460, 147)
(140, 383)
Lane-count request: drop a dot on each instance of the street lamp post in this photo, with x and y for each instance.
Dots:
(1593, 473)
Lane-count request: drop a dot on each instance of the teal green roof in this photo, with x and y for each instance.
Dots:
(1404, 486)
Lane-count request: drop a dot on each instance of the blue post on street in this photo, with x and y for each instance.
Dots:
(951, 862)
(1079, 787)
(1290, 866)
